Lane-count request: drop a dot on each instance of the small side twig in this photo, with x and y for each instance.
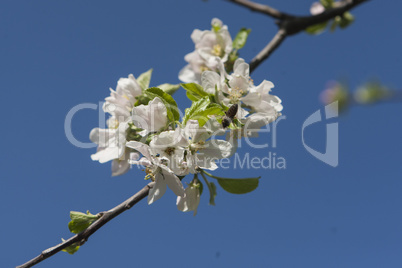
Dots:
(290, 24)
(265, 9)
(82, 237)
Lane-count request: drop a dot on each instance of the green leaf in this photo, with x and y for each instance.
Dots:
(212, 190)
(241, 38)
(346, 19)
(72, 248)
(236, 186)
(144, 79)
(192, 97)
(317, 28)
(170, 103)
(195, 108)
(334, 24)
(195, 89)
(169, 88)
(239, 186)
(203, 115)
(81, 221)
(141, 99)
(327, 3)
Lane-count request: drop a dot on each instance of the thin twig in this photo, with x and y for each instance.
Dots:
(268, 49)
(82, 237)
(265, 9)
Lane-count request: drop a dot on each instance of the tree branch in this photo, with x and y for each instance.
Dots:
(296, 24)
(290, 24)
(82, 237)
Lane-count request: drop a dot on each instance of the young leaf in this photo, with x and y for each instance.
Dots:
(81, 221)
(241, 38)
(170, 103)
(203, 115)
(195, 108)
(239, 186)
(72, 248)
(192, 97)
(169, 88)
(144, 79)
(195, 90)
(327, 3)
(236, 186)
(317, 28)
(346, 19)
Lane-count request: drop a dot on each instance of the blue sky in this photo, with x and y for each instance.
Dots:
(55, 55)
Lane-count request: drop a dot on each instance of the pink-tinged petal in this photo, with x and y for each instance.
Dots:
(158, 190)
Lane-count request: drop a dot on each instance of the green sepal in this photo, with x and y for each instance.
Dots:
(170, 103)
(241, 38)
(236, 186)
(81, 221)
(346, 19)
(72, 248)
(236, 124)
(169, 88)
(144, 79)
(141, 99)
(212, 190)
(334, 24)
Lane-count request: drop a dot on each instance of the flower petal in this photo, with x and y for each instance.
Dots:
(158, 190)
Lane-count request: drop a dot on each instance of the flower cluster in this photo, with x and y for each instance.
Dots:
(211, 47)
(146, 121)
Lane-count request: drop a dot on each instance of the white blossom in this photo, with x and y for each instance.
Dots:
(158, 171)
(120, 102)
(260, 100)
(191, 199)
(111, 146)
(203, 153)
(151, 117)
(171, 145)
(211, 48)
